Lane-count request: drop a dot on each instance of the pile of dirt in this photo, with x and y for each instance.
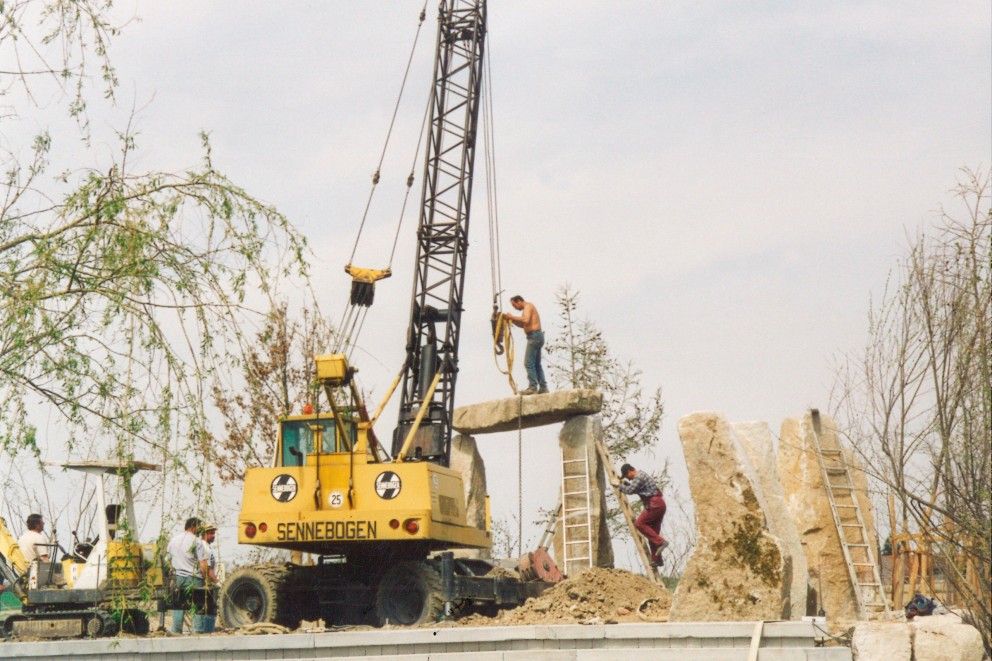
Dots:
(596, 596)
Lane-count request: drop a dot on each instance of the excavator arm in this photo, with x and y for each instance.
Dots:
(13, 565)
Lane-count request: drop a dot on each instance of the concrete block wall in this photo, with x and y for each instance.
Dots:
(718, 641)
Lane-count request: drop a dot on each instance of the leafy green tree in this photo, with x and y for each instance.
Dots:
(125, 294)
(579, 357)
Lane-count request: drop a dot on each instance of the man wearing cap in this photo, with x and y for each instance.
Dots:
(205, 622)
(648, 522)
(188, 558)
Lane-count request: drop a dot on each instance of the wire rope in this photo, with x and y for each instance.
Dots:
(489, 137)
(352, 320)
(410, 178)
(520, 475)
(501, 332)
(389, 132)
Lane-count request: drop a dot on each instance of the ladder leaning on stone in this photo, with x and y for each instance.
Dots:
(855, 543)
(576, 514)
(640, 543)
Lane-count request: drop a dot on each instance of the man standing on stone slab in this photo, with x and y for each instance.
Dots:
(649, 520)
(530, 321)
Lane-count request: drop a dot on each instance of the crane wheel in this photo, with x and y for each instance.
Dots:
(254, 594)
(409, 594)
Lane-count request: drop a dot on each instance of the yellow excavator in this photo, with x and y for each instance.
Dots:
(383, 525)
(98, 589)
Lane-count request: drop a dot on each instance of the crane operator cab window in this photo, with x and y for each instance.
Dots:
(301, 438)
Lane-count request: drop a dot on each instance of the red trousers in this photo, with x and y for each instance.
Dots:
(649, 521)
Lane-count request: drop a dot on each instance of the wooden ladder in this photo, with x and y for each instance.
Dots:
(576, 515)
(641, 544)
(859, 556)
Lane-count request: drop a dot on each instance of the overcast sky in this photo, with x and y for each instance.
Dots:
(726, 184)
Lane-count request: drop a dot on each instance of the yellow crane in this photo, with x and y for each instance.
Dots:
(383, 524)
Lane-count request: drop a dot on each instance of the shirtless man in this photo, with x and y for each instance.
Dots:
(530, 321)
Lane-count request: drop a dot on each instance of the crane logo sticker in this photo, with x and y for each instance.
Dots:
(284, 488)
(388, 485)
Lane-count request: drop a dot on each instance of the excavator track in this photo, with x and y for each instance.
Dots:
(61, 624)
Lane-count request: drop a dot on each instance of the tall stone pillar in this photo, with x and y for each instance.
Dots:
(577, 440)
(739, 569)
(756, 438)
(806, 497)
(465, 459)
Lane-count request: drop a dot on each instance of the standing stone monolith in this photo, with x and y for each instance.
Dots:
(806, 497)
(756, 438)
(578, 440)
(465, 459)
(738, 570)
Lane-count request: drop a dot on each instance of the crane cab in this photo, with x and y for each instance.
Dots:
(300, 436)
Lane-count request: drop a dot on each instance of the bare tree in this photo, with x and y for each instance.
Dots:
(278, 378)
(918, 400)
(125, 295)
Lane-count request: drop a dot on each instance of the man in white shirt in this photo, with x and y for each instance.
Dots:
(34, 542)
(188, 558)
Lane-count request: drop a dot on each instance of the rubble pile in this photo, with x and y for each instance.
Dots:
(595, 596)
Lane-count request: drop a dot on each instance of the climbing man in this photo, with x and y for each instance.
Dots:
(530, 321)
(648, 522)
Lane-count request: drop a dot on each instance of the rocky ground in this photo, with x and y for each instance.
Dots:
(596, 596)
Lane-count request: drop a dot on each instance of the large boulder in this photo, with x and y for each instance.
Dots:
(801, 477)
(930, 638)
(757, 440)
(578, 440)
(527, 411)
(882, 641)
(739, 569)
(945, 638)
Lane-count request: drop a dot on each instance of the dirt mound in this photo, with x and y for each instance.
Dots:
(595, 596)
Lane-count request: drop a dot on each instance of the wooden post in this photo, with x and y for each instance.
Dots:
(894, 546)
(914, 572)
(900, 551)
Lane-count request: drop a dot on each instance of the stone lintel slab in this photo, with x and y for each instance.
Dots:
(526, 411)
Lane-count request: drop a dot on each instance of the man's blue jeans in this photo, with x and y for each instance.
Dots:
(532, 361)
(184, 584)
